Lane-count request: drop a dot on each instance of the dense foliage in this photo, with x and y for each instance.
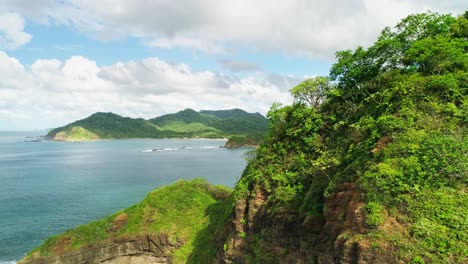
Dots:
(394, 121)
(109, 125)
(224, 122)
(186, 123)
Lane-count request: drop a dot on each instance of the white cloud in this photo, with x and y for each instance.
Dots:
(303, 27)
(51, 92)
(12, 33)
(238, 65)
(186, 42)
(10, 69)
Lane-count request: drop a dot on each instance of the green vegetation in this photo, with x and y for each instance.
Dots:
(76, 133)
(375, 216)
(390, 119)
(109, 125)
(394, 120)
(186, 210)
(187, 123)
(312, 91)
(243, 141)
(221, 123)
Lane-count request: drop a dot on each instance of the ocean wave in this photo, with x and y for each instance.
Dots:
(7, 262)
(147, 150)
(180, 148)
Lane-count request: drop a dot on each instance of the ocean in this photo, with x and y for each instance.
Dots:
(49, 187)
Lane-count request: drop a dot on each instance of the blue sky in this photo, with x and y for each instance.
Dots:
(61, 42)
(63, 60)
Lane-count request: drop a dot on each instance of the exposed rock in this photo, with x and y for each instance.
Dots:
(297, 239)
(242, 142)
(140, 250)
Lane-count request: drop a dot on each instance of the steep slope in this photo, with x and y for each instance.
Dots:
(163, 228)
(186, 123)
(377, 172)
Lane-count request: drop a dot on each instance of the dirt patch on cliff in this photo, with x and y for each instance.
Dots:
(119, 221)
(62, 244)
(381, 144)
(343, 210)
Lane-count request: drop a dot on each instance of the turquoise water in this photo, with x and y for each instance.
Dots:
(48, 187)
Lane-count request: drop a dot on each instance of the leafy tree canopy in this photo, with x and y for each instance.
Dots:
(312, 91)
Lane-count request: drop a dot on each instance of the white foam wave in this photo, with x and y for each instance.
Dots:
(180, 148)
(147, 150)
(210, 147)
(7, 262)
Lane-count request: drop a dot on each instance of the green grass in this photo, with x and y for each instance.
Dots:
(185, 210)
(76, 133)
(179, 126)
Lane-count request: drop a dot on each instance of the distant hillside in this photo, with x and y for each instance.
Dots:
(187, 123)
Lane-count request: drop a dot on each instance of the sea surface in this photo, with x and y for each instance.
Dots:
(49, 187)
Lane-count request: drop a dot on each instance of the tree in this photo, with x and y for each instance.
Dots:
(353, 69)
(312, 91)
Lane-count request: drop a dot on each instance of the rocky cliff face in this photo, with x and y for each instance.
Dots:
(140, 249)
(255, 234)
(173, 224)
(242, 142)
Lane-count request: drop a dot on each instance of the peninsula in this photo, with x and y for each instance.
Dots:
(184, 124)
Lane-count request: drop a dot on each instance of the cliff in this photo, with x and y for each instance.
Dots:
(370, 168)
(164, 228)
(139, 249)
(243, 142)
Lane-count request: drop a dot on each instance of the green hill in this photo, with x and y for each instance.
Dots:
(228, 122)
(173, 218)
(187, 123)
(107, 125)
(368, 165)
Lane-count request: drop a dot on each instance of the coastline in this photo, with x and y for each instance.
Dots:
(101, 139)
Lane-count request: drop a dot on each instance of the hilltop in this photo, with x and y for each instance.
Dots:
(168, 224)
(184, 124)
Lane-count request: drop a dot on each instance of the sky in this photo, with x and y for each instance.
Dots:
(62, 60)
